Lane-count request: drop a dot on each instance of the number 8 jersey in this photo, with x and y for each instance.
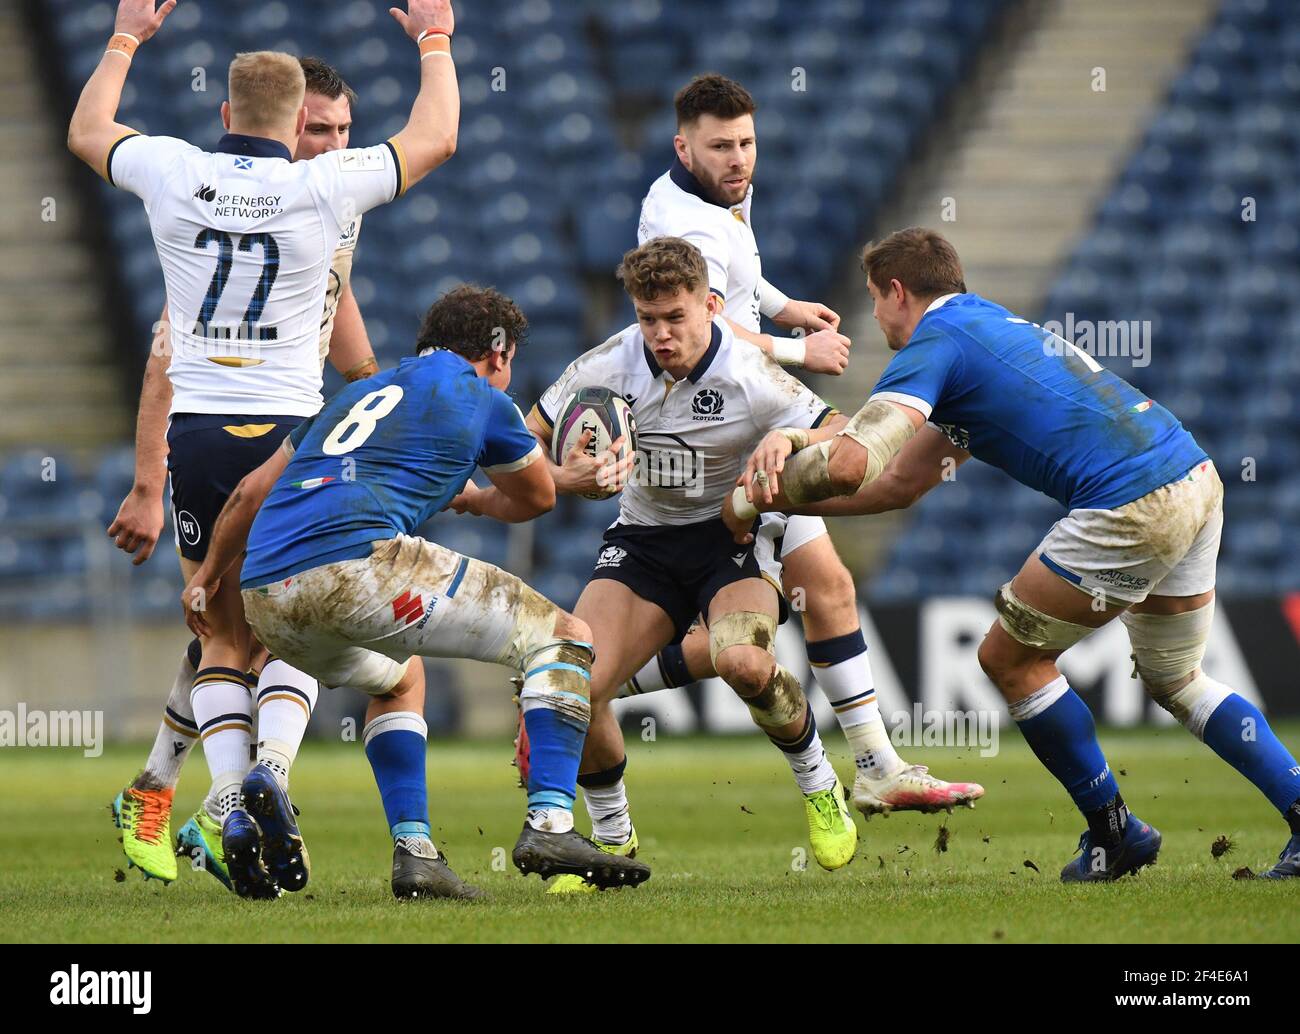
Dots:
(382, 457)
(245, 237)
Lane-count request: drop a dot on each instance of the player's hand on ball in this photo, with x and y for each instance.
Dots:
(138, 524)
(603, 474)
(139, 18)
(195, 598)
(424, 15)
(761, 477)
(808, 315)
(826, 351)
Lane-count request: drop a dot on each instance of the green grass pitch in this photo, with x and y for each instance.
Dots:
(722, 826)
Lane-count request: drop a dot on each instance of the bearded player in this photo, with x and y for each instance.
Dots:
(1139, 542)
(245, 237)
(705, 198)
(143, 809)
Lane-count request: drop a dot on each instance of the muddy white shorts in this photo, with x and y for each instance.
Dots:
(778, 536)
(358, 622)
(1166, 542)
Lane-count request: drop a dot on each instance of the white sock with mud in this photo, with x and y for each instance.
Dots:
(843, 670)
(177, 732)
(606, 800)
(285, 700)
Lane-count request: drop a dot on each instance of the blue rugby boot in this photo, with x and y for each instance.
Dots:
(283, 851)
(1288, 862)
(242, 845)
(1138, 847)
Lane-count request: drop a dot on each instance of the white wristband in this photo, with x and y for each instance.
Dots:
(743, 508)
(789, 351)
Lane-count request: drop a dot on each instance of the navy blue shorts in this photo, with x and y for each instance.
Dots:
(208, 456)
(680, 568)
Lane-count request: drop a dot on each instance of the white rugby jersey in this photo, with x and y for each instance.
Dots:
(339, 275)
(677, 206)
(246, 238)
(694, 436)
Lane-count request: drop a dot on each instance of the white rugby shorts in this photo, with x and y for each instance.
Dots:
(1166, 542)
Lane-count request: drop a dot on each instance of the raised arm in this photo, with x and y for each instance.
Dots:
(94, 128)
(429, 137)
(139, 519)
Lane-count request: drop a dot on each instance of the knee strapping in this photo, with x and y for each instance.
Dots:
(742, 628)
(1031, 627)
(1166, 649)
(557, 676)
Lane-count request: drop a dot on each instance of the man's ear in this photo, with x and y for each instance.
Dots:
(302, 121)
(713, 303)
(225, 115)
(897, 291)
(679, 145)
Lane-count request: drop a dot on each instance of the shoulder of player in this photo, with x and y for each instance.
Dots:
(669, 211)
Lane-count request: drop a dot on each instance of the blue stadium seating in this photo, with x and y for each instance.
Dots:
(1199, 236)
(566, 119)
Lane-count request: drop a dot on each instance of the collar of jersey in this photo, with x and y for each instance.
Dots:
(701, 368)
(939, 302)
(685, 179)
(253, 146)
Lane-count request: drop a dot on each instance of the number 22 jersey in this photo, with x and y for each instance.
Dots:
(245, 237)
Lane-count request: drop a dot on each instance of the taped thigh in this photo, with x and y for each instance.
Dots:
(1029, 626)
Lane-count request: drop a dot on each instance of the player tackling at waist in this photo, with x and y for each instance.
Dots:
(336, 582)
(1139, 542)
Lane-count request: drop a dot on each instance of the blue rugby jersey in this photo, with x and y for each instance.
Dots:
(1033, 405)
(382, 457)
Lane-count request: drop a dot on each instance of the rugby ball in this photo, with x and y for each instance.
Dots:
(606, 414)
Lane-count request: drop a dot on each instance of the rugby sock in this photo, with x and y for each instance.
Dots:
(223, 711)
(177, 732)
(606, 798)
(1240, 734)
(395, 745)
(1058, 727)
(843, 670)
(285, 699)
(666, 670)
(807, 758)
(555, 751)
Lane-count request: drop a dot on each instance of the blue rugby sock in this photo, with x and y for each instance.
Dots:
(395, 746)
(1058, 727)
(1239, 733)
(555, 750)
